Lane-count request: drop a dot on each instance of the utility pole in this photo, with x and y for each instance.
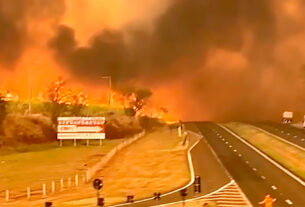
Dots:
(109, 88)
(30, 90)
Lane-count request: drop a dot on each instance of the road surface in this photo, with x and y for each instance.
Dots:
(255, 174)
(213, 175)
(286, 131)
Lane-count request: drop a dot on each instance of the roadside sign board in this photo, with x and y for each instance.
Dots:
(288, 115)
(81, 128)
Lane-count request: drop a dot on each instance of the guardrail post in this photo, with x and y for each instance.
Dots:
(76, 180)
(53, 186)
(44, 191)
(61, 184)
(7, 195)
(69, 181)
(28, 192)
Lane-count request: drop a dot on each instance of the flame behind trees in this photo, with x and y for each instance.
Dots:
(59, 94)
(2, 112)
(63, 99)
(136, 100)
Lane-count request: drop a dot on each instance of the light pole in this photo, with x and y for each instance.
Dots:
(30, 90)
(110, 87)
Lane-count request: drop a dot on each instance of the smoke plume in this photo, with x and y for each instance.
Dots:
(211, 59)
(17, 19)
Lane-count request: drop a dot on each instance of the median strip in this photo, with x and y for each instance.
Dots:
(287, 155)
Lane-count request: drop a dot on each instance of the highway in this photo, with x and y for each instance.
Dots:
(254, 172)
(205, 164)
(290, 133)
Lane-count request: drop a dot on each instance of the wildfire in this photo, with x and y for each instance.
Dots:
(137, 102)
(8, 96)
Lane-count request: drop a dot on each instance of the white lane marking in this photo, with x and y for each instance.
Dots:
(263, 177)
(174, 191)
(230, 146)
(239, 155)
(247, 162)
(265, 156)
(295, 136)
(280, 138)
(288, 134)
(235, 150)
(274, 187)
(227, 142)
(302, 140)
(204, 196)
(223, 139)
(254, 169)
(288, 201)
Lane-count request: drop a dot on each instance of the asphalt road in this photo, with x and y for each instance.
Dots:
(255, 175)
(213, 175)
(286, 131)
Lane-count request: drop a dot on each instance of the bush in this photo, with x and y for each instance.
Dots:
(120, 126)
(149, 123)
(28, 129)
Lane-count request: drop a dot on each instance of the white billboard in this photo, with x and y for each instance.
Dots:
(288, 114)
(81, 128)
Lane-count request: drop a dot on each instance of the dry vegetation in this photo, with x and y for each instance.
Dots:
(286, 154)
(156, 162)
(33, 168)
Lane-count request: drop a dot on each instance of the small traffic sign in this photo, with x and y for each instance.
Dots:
(130, 199)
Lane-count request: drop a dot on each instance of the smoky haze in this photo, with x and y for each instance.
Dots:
(236, 59)
(186, 30)
(16, 19)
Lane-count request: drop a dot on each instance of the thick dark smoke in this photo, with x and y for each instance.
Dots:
(187, 30)
(236, 59)
(15, 17)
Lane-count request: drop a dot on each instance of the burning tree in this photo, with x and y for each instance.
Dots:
(136, 100)
(65, 99)
(2, 111)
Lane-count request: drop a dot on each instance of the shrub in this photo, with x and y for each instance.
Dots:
(119, 126)
(28, 129)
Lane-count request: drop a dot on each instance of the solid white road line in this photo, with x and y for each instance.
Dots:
(274, 187)
(288, 201)
(280, 138)
(201, 197)
(174, 191)
(264, 156)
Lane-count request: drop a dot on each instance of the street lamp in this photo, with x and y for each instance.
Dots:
(30, 89)
(110, 87)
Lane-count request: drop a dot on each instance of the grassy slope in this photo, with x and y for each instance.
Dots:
(288, 155)
(43, 163)
(157, 162)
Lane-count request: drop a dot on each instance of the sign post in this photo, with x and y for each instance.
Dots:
(197, 184)
(183, 194)
(98, 185)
